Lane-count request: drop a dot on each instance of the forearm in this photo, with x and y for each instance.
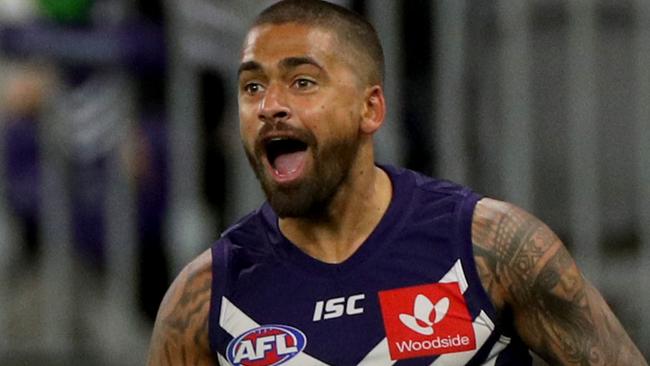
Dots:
(576, 328)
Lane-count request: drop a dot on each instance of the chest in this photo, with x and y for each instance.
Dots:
(416, 310)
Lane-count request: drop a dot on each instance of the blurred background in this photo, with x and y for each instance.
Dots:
(120, 157)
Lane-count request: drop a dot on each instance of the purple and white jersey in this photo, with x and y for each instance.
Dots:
(410, 295)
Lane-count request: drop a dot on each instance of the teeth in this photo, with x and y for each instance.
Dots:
(276, 146)
(275, 140)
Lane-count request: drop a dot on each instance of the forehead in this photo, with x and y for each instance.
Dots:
(271, 43)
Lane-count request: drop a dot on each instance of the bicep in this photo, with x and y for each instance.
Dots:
(180, 335)
(557, 312)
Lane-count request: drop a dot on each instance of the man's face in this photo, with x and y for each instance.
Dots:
(299, 107)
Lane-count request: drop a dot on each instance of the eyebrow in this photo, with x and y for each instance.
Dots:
(293, 62)
(286, 64)
(249, 66)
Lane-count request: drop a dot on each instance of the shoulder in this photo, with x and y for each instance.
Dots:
(189, 287)
(425, 191)
(180, 334)
(424, 182)
(249, 228)
(509, 232)
(514, 250)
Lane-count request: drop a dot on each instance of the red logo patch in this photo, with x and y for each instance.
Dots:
(426, 320)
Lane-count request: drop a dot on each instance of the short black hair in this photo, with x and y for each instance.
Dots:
(350, 28)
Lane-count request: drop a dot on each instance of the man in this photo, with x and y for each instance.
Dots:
(352, 263)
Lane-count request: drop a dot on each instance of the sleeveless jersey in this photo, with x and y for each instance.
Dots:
(410, 295)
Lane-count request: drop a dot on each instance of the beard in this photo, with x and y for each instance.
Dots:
(311, 196)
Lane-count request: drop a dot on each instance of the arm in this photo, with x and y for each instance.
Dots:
(557, 312)
(180, 335)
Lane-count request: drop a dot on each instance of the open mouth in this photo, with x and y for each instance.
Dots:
(286, 155)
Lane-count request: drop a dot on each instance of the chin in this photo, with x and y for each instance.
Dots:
(298, 201)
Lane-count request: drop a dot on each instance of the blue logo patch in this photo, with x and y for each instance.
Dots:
(266, 345)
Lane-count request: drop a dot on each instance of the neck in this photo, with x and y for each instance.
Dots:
(352, 215)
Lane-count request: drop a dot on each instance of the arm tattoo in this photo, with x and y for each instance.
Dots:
(524, 266)
(180, 335)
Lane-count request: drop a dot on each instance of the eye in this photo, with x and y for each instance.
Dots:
(253, 88)
(303, 83)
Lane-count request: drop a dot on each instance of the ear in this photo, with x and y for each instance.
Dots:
(374, 109)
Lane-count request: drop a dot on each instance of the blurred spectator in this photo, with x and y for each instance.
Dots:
(22, 100)
(101, 54)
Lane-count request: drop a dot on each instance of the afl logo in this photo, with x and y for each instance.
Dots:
(267, 345)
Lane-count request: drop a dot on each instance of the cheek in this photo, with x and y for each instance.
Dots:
(332, 108)
(247, 129)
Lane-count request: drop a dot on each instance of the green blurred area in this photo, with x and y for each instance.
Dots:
(66, 11)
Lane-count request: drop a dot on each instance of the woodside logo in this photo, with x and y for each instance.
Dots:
(426, 320)
(423, 308)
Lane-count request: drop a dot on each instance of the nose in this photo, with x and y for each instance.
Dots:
(273, 106)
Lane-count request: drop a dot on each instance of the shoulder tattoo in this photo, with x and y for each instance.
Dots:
(181, 332)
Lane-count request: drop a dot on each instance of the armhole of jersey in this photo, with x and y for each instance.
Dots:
(219, 277)
(512, 348)
(476, 290)
(464, 234)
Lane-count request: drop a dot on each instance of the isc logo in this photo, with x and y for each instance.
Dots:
(267, 345)
(336, 307)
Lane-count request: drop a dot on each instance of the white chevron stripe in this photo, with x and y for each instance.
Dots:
(483, 327)
(456, 274)
(235, 322)
(380, 355)
(499, 346)
(222, 360)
